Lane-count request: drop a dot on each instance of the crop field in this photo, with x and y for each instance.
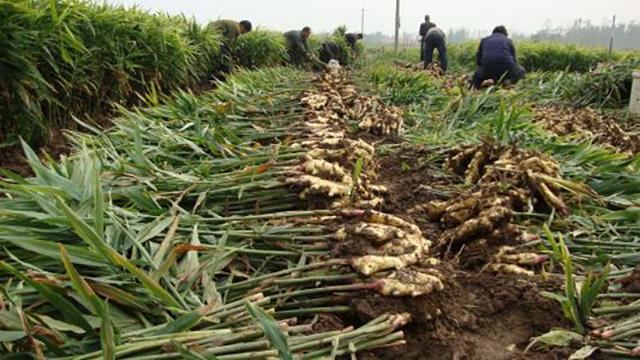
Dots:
(381, 211)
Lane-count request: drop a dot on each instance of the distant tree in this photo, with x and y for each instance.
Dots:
(580, 32)
(583, 32)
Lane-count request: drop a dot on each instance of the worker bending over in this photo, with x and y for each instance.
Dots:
(496, 59)
(329, 50)
(352, 40)
(298, 48)
(230, 31)
(435, 39)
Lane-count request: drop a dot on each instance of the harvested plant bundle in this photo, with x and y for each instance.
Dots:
(608, 85)
(335, 168)
(380, 241)
(525, 176)
(512, 261)
(337, 99)
(587, 123)
(375, 117)
(344, 170)
(505, 179)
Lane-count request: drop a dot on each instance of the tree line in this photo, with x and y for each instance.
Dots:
(580, 32)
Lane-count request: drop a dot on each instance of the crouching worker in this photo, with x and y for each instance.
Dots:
(298, 48)
(230, 31)
(435, 39)
(496, 59)
(329, 51)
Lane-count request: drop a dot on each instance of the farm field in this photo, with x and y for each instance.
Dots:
(380, 211)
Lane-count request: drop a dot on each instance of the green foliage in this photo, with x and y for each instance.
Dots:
(271, 329)
(340, 31)
(562, 338)
(463, 55)
(401, 87)
(559, 57)
(357, 173)
(74, 57)
(315, 42)
(260, 48)
(607, 86)
(386, 56)
(505, 124)
(578, 301)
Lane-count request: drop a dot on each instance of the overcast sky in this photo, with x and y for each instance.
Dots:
(523, 16)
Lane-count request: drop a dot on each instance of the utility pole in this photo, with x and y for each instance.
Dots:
(362, 23)
(397, 39)
(613, 28)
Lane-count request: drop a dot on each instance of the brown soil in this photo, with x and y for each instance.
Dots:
(411, 181)
(478, 315)
(13, 159)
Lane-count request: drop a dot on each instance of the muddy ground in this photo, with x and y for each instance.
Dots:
(478, 315)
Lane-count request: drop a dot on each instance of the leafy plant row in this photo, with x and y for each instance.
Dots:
(533, 56)
(66, 58)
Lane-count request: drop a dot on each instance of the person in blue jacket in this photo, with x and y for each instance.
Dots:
(496, 59)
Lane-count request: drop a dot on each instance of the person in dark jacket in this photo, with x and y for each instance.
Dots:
(352, 40)
(230, 31)
(435, 39)
(329, 51)
(496, 59)
(298, 47)
(424, 29)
